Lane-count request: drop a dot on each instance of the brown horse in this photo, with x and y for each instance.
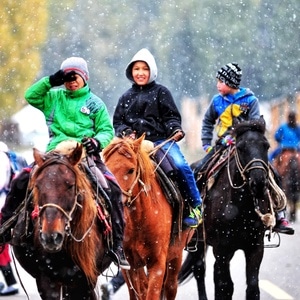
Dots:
(66, 251)
(148, 216)
(287, 163)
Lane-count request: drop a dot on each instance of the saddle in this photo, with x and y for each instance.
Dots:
(217, 164)
(207, 175)
(166, 173)
(173, 196)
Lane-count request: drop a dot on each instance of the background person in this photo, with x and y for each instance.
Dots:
(287, 136)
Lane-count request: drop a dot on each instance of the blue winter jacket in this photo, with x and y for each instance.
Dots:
(288, 137)
(222, 109)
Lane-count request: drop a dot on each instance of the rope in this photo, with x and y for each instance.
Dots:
(18, 274)
(279, 194)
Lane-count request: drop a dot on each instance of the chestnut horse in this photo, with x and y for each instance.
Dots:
(66, 251)
(148, 215)
(287, 163)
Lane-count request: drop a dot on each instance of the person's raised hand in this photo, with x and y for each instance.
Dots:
(57, 78)
(70, 76)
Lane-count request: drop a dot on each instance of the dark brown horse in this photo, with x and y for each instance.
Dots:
(148, 231)
(67, 251)
(287, 163)
(237, 210)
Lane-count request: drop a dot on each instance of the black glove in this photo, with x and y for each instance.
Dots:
(70, 76)
(57, 79)
(127, 132)
(92, 146)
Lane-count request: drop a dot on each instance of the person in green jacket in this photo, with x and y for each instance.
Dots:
(73, 113)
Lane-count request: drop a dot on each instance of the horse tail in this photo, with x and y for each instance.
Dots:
(187, 268)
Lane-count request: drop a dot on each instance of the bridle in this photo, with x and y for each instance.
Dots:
(245, 169)
(268, 219)
(68, 215)
(128, 194)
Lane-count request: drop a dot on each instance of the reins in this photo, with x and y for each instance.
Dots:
(268, 219)
(128, 193)
(243, 170)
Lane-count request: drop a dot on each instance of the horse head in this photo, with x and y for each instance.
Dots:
(131, 160)
(68, 247)
(55, 193)
(59, 188)
(252, 155)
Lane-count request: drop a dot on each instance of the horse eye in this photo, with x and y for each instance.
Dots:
(70, 185)
(130, 171)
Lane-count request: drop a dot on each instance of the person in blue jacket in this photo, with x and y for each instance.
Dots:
(287, 136)
(148, 107)
(232, 102)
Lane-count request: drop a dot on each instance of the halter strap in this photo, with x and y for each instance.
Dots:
(47, 163)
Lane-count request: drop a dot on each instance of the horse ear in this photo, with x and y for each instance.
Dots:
(138, 142)
(39, 156)
(75, 156)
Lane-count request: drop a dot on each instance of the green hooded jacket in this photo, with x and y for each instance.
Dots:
(71, 115)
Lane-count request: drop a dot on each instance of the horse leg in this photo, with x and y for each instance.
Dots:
(253, 261)
(199, 270)
(79, 291)
(222, 278)
(194, 263)
(170, 286)
(48, 289)
(137, 283)
(156, 273)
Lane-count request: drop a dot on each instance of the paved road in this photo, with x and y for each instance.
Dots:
(279, 275)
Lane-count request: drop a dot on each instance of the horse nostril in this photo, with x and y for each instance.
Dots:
(257, 187)
(52, 239)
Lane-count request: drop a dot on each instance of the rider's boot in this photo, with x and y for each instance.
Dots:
(283, 226)
(110, 288)
(194, 218)
(119, 257)
(117, 219)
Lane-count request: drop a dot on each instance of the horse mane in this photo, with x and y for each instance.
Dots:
(258, 125)
(84, 253)
(129, 148)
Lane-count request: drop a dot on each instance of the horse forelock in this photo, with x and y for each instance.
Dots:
(258, 125)
(112, 148)
(127, 149)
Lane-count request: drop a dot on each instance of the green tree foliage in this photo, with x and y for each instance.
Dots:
(190, 40)
(23, 30)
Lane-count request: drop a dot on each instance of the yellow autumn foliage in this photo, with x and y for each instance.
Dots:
(23, 28)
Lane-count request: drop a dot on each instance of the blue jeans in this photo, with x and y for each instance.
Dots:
(186, 180)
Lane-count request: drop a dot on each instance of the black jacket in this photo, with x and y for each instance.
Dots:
(150, 109)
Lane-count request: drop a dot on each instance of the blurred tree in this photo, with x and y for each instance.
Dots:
(23, 30)
(189, 39)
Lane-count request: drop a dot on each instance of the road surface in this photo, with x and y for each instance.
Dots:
(279, 275)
